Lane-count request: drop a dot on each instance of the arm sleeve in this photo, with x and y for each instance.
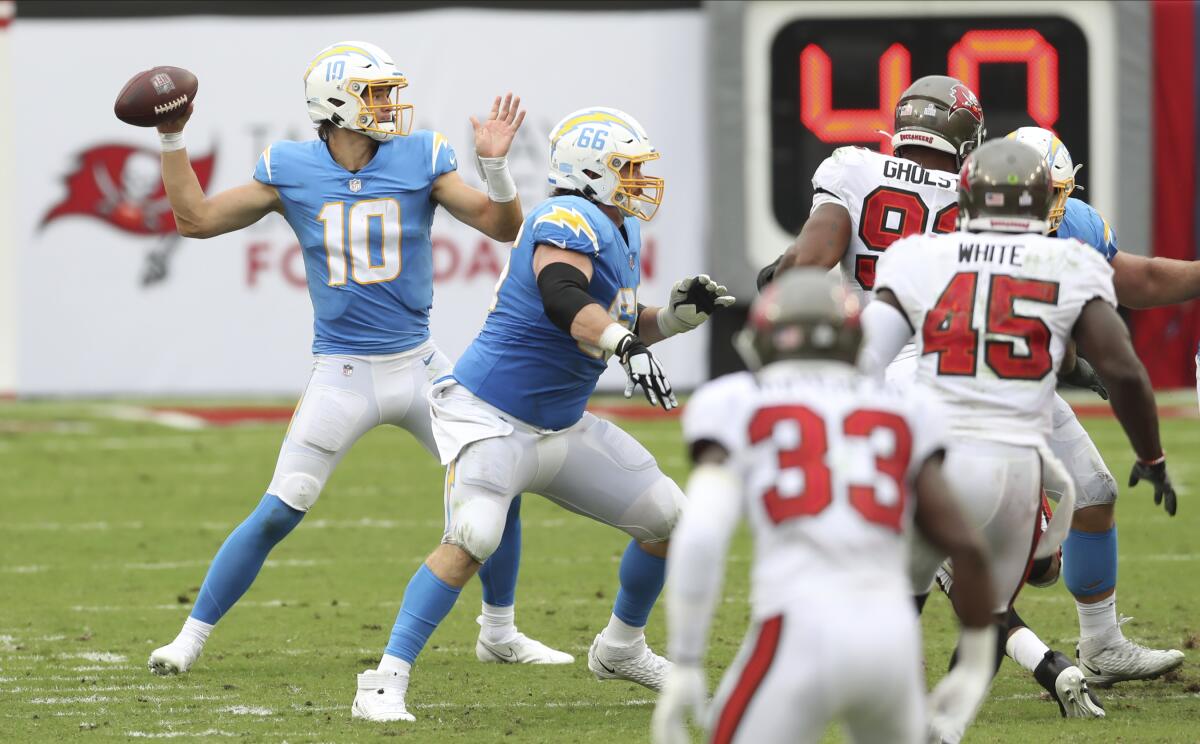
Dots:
(885, 332)
(564, 293)
(442, 159)
(564, 226)
(696, 563)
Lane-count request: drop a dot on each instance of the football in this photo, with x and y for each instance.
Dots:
(154, 96)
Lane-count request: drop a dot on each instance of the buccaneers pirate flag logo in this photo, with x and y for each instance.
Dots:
(123, 186)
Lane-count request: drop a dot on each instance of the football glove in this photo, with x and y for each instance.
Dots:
(1084, 376)
(643, 370)
(692, 300)
(1164, 492)
(682, 697)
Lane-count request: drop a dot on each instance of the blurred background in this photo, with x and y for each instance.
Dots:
(99, 296)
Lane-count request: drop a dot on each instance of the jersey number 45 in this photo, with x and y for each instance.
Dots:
(948, 331)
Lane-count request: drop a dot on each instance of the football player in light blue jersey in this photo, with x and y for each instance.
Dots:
(1090, 550)
(361, 199)
(511, 418)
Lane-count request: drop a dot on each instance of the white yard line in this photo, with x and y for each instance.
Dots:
(170, 419)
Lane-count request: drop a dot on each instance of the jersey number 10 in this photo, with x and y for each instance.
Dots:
(356, 232)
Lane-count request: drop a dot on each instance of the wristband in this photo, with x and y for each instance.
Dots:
(1157, 461)
(500, 185)
(977, 648)
(612, 336)
(171, 141)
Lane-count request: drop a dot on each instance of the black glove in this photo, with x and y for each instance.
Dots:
(767, 273)
(641, 368)
(1164, 492)
(1085, 376)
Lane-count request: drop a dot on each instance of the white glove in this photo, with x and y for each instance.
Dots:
(692, 300)
(683, 696)
(954, 701)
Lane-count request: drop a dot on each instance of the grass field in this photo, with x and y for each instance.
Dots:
(107, 526)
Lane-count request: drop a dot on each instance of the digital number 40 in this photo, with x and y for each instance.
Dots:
(1024, 46)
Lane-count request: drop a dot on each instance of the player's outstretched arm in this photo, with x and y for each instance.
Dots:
(693, 300)
(1154, 282)
(496, 214)
(821, 242)
(1101, 335)
(695, 568)
(198, 216)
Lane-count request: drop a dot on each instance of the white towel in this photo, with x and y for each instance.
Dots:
(459, 418)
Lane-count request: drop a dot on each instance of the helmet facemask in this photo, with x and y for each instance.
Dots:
(1062, 192)
(636, 195)
(390, 118)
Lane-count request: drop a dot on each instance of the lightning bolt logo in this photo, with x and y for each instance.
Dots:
(439, 142)
(571, 220)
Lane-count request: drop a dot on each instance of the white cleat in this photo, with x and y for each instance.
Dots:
(380, 697)
(1113, 658)
(173, 658)
(1074, 698)
(636, 663)
(520, 649)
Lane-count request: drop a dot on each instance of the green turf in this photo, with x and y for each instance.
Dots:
(106, 528)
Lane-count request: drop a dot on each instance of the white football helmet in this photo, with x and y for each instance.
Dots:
(343, 84)
(1062, 170)
(598, 151)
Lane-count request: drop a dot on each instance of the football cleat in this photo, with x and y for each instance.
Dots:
(636, 663)
(520, 649)
(1113, 658)
(1066, 684)
(380, 697)
(173, 658)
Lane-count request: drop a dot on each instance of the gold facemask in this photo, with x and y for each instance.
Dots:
(636, 195)
(371, 116)
(1062, 190)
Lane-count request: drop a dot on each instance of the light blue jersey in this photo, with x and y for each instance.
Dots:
(1085, 224)
(365, 237)
(521, 362)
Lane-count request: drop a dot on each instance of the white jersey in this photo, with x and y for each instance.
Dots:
(826, 458)
(993, 313)
(887, 198)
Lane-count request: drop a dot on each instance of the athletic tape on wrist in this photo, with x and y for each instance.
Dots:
(500, 185)
(612, 336)
(171, 141)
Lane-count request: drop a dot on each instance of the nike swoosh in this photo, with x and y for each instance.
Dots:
(1093, 584)
(606, 667)
(507, 657)
(428, 359)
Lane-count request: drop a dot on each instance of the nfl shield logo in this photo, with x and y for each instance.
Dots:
(356, 185)
(347, 369)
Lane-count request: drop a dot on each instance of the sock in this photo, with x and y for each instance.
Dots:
(194, 632)
(499, 572)
(1097, 618)
(642, 576)
(394, 665)
(620, 633)
(1090, 562)
(1025, 648)
(238, 561)
(498, 625)
(427, 600)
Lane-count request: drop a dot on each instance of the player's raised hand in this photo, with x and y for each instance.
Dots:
(494, 136)
(178, 123)
(643, 370)
(1156, 474)
(692, 300)
(682, 697)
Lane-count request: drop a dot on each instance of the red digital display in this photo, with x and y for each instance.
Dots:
(836, 82)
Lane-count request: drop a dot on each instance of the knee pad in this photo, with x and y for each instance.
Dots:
(299, 480)
(653, 516)
(476, 526)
